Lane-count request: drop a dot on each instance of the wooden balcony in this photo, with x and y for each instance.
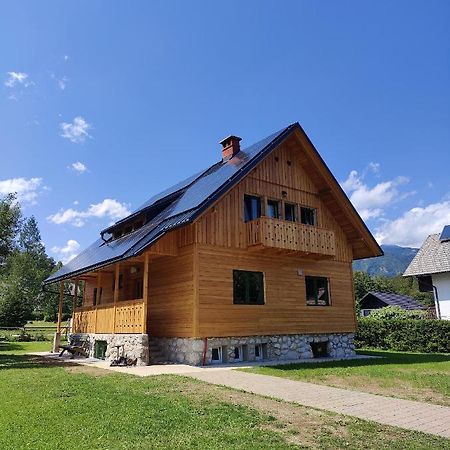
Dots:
(284, 236)
(122, 317)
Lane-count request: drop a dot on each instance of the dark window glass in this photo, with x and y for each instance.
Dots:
(308, 216)
(95, 297)
(289, 212)
(252, 207)
(138, 288)
(257, 351)
(317, 291)
(273, 209)
(248, 288)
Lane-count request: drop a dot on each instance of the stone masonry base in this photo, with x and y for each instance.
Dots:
(135, 345)
(275, 348)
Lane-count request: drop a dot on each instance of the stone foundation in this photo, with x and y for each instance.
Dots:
(274, 348)
(135, 345)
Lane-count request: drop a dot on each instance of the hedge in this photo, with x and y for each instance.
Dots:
(426, 335)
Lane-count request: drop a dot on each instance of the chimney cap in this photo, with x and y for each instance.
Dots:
(231, 137)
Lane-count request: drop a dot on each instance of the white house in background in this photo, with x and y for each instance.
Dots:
(431, 266)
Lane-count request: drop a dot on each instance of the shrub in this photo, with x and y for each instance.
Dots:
(428, 336)
(395, 312)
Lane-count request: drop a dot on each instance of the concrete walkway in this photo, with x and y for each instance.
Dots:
(411, 415)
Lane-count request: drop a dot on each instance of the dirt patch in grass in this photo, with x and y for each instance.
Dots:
(391, 387)
(89, 370)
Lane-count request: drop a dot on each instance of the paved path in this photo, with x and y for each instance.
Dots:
(406, 414)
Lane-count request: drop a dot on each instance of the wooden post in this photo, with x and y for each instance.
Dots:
(57, 337)
(116, 293)
(60, 307)
(145, 295)
(74, 304)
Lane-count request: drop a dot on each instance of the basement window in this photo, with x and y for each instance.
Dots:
(238, 354)
(259, 352)
(317, 291)
(248, 288)
(307, 216)
(216, 355)
(252, 207)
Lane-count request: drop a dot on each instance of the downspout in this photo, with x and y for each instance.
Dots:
(205, 349)
(436, 302)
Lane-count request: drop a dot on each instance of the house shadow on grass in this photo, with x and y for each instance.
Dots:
(383, 358)
(15, 361)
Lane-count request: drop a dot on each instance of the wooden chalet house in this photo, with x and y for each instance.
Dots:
(250, 259)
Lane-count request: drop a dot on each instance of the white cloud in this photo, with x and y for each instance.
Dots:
(68, 252)
(108, 208)
(78, 167)
(62, 82)
(411, 229)
(370, 202)
(17, 78)
(77, 131)
(27, 189)
(66, 57)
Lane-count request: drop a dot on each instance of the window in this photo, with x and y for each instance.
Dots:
(252, 207)
(98, 300)
(317, 291)
(248, 288)
(273, 209)
(138, 288)
(308, 216)
(216, 355)
(238, 353)
(258, 352)
(289, 212)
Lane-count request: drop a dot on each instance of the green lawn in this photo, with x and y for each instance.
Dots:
(47, 405)
(416, 376)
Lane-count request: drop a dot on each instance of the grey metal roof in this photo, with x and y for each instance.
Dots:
(404, 301)
(433, 257)
(191, 198)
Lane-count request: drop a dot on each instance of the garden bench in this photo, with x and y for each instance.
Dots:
(80, 348)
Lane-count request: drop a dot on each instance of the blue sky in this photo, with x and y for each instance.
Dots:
(103, 104)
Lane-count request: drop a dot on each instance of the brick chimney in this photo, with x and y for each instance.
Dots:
(230, 146)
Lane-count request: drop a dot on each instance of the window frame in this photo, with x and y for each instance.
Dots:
(263, 288)
(259, 210)
(294, 211)
(314, 210)
(220, 354)
(316, 299)
(278, 209)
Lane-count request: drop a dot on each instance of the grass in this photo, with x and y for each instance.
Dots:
(414, 376)
(48, 405)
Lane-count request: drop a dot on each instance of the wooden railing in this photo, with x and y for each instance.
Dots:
(122, 317)
(266, 232)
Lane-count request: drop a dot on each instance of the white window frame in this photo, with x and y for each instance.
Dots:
(240, 352)
(220, 352)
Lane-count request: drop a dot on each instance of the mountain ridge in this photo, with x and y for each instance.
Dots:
(394, 262)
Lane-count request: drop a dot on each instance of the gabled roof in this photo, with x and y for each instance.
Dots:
(183, 203)
(389, 298)
(433, 257)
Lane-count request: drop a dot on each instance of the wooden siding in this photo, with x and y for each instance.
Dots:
(171, 287)
(285, 310)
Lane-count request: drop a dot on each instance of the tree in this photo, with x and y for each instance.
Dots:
(25, 265)
(10, 221)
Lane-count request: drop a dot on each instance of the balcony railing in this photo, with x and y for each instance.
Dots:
(122, 317)
(268, 233)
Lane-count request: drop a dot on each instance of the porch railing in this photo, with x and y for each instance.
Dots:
(121, 317)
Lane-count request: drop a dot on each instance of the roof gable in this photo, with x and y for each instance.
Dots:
(433, 257)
